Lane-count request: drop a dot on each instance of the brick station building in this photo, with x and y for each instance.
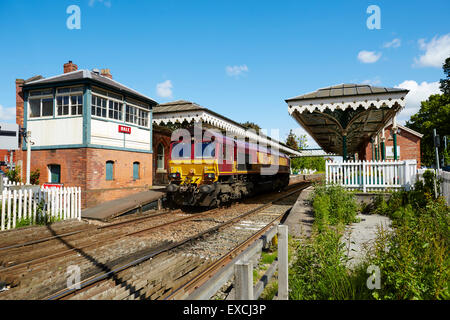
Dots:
(87, 130)
(408, 145)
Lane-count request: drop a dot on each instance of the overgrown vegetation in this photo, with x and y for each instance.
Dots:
(412, 258)
(13, 175)
(320, 271)
(34, 177)
(333, 205)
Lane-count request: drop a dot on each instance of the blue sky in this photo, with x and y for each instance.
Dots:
(239, 58)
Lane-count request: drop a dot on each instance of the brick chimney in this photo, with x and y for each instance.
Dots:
(106, 73)
(69, 67)
(19, 102)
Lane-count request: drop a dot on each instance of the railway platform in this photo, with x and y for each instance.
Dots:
(111, 209)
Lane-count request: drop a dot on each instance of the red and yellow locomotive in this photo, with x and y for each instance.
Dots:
(207, 172)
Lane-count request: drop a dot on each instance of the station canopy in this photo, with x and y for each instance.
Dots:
(342, 118)
(181, 110)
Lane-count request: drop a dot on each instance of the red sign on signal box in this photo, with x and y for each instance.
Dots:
(124, 129)
(52, 185)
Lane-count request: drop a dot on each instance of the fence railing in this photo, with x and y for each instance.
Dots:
(28, 206)
(6, 184)
(372, 175)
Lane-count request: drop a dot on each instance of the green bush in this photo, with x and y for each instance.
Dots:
(14, 174)
(333, 205)
(34, 177)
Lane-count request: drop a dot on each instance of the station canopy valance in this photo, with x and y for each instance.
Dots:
(342, 117)
(181, 110)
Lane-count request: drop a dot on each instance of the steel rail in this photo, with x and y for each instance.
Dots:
(214, 267)
(91, 281)
(115, 237)
(59, 236)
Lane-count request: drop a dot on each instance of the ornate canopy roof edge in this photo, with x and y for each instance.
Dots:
(218, 122)
(389, 100)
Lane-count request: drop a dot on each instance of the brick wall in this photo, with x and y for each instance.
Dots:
(408, 142)
(86, 168)
(99, 189)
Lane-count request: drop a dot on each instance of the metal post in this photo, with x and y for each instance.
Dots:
(283, 293)
(445, 148)
(436, 148)
(159, 204)
(28, 156)
(344, 146)
(243, 276)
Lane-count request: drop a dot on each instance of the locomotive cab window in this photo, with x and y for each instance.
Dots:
(227, 154)
(181, 150)
(205, 150)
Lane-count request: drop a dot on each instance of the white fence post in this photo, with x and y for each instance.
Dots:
(14, 209)
(283, 281)
(243, 276)
(363, 175)
(3, 221)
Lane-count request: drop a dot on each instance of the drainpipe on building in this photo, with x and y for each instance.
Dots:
(28, 156)
(376, 148)
(373, 149)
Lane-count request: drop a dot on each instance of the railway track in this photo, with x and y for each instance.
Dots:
(150, 242)
(105, 285)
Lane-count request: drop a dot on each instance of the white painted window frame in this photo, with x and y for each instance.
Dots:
(69, 94)
(40, 97)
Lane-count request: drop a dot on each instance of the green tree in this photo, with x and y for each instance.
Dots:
(295, 142)
(434, 113)
(445, 83)
(251, 125)
(291, 140)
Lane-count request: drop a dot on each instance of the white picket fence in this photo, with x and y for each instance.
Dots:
(7, 183)
(46, 203)
(372, 175)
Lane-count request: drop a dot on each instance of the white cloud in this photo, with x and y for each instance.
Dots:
(164, 89)
(417, 93)
(107, 3)
(395, 43)
(436, 51)
(236, 71)
(7, 114)
(368, 56)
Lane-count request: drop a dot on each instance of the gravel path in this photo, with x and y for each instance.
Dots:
(360, 235)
